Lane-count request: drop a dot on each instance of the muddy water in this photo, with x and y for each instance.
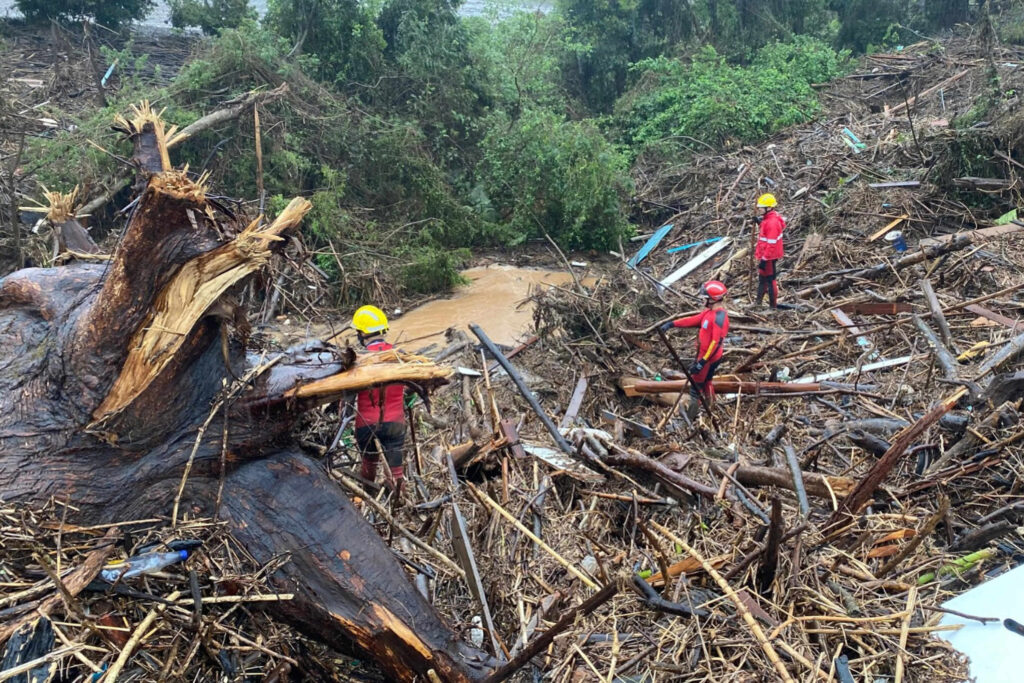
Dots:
(494, 299)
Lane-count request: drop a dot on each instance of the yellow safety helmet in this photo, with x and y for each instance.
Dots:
(370, 320)
(766, 201)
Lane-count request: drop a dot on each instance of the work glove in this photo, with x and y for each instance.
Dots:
(762, 265)
(665, 327)
(697, 367)
(758, 219)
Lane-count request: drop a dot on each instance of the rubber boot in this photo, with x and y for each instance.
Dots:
(398, 479)
(692, 407)
(368, 470)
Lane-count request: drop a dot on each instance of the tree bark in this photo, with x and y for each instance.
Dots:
(107, 372)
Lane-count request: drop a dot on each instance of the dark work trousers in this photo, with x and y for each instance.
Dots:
(767, 271)
(702, 381)
(386, 436)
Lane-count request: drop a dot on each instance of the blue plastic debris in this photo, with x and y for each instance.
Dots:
(853, 141)
(649, 246)
(106, 76)
(710, 240)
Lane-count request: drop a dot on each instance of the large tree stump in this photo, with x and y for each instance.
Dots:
(109, 370)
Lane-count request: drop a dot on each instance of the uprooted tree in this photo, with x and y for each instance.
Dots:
(115, 380)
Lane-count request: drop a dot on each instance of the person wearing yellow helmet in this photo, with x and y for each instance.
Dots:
(769, 249)
(380, 411)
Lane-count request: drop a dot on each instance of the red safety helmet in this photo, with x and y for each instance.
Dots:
(714, 290)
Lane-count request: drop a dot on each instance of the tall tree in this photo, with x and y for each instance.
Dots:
(612, 34)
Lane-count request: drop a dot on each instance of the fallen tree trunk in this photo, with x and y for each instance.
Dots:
(632, 386)
(874, 272)
(817, 485)
(109, 374)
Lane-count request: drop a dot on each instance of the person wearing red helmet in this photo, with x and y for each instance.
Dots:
(713, 325)
(769, 249)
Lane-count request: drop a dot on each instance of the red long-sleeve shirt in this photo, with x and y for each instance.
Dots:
(714, 325)
(380, 404)
(769, 240)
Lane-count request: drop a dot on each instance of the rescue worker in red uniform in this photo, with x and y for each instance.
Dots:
(768, 250)
(380, 411)
(713, 324)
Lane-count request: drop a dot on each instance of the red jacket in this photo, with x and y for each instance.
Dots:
(714, 325)
(769, 241)
(380, 404)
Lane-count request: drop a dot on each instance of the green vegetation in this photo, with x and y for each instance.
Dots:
(418, 133)
(709, 99)
(111, 13)
(546, 174)
(212, 16)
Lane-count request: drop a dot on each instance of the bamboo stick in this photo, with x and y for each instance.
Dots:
(533, 537)
(904, 632)
(126, 652)
(755, 628)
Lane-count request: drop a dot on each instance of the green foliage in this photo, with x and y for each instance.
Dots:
(110, 13)
(521, 56)
(863, 23)
(717, 103)
(340, 33)
(804, 59)
(433, 269)
(608, 35)
(212, 16)
(546, 174)
(429, 75)
(1010, 25)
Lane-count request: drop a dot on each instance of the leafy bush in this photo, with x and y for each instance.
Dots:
(546, 174)
(521, 56)
(212, 16)
(111, 13)
(803, 59)
(340, 33)
(713, 101)
(433, 270)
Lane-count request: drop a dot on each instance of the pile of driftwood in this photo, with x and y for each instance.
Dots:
(564, 518)
(199, 620)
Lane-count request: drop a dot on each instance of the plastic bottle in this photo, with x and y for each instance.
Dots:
(142, 564)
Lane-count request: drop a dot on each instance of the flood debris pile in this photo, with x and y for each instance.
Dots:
(562, 515)
(200, 619)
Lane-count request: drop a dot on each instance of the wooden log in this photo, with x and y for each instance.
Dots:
(937, 316)
(817, 485)
(945, 359)
(463, 545)
(873, 273)
(876, 308)
(633, 459)
(1014, 325)
(1009, 353)
(847, 323)
(942, 85)
(984, 184)
(524, 390)
(862, 493)
(637, 387)
(979, 235)
(881, 231)
(798, 479)
(574, 403)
